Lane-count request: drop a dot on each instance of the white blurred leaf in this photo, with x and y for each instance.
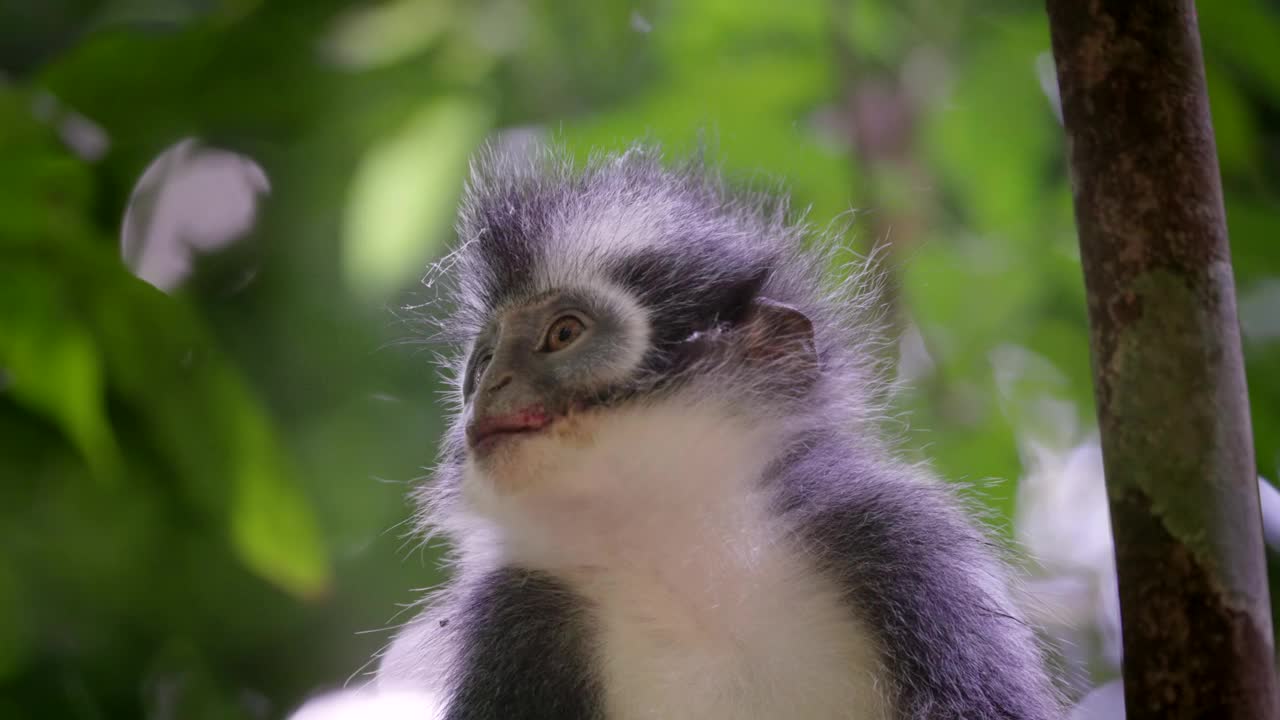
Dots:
(1260, 311)
(191, 198)
(1105, 702)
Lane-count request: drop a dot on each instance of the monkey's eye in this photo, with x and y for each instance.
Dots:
(477, 370)
(564, 332)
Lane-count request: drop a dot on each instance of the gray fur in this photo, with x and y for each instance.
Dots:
(526, 649)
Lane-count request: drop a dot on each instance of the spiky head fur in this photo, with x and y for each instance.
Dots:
(676, 245)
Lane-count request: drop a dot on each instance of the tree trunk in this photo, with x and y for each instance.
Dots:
(1168, 373)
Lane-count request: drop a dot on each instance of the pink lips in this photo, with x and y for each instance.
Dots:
(487, 430)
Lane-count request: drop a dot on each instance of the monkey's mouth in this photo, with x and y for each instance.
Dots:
(487, 433)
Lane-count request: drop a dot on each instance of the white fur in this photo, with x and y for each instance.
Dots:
(625, 356)
(615, 230)
(637, 328)
(367, 704)
(619, 220)
(707, 610)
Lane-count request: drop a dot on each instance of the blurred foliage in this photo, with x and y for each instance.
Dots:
(203, 491)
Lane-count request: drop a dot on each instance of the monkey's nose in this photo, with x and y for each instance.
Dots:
(492, 387)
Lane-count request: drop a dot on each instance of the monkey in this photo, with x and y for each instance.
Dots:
(667, 482)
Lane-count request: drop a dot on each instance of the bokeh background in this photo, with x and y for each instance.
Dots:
(213, 214)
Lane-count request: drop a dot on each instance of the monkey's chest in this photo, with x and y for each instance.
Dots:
(768, 640)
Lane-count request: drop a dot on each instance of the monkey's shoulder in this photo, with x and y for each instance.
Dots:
(931, 583)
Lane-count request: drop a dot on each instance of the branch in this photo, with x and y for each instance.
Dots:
(1168, 373)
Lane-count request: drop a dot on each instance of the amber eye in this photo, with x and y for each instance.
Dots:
(563, 333)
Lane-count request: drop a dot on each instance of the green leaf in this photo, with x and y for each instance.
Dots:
(1244, 33)
(53, 364)
(12, 640)
(994, 139)
(404, 194)
(272, 526)
(750, 75)
(1233, 123)
(207, 423)
(75, 326)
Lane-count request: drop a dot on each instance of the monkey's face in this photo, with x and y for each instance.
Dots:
(590, 306)
(551, 375)
(541, 362)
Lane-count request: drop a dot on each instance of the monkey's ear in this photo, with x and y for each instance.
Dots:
(780, 335)
(740, 299)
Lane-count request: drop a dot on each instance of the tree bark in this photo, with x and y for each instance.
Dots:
(1168, 372)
